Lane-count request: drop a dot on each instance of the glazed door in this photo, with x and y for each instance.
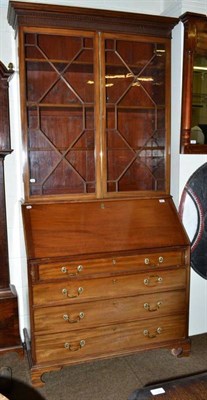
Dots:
(137, 98)
(96, 114)
(59, 127)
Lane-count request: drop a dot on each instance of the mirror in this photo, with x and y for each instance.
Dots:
(194, 93)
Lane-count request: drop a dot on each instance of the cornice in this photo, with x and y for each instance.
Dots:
(44, 15)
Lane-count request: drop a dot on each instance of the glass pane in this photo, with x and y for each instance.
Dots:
(135, 116)
(60, 111)
(199, 101)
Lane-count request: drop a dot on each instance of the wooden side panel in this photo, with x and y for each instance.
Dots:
(9, 322)
(54, 230)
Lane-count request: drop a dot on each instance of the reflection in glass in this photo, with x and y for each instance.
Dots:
(135, 115)
(60, 111)
(199, 101)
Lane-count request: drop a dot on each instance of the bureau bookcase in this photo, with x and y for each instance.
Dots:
(108, 258)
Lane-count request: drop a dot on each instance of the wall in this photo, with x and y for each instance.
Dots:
(13, 174)
(182, 166)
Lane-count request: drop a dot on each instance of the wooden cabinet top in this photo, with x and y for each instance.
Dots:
(5, 75)
(31, 14)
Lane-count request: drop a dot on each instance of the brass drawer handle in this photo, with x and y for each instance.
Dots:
(68, 318)
(72, 295)
(152, 280)
(148, 307)
(152, 335)
(153, 263)
(64, 270)
(72, 347)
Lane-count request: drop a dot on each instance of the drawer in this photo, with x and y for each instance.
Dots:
(77, 268)
(86, 315)
(87, 344)
(100, 288)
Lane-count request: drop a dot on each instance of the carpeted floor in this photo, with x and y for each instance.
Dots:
(113, 379)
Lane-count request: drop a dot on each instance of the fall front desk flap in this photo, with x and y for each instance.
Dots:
(81, 228)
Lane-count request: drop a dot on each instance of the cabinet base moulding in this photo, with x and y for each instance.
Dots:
(178, 348)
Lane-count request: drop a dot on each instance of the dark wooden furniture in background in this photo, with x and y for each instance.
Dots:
(195, 45)
(9, 322)
(190, 387)
(108, 258)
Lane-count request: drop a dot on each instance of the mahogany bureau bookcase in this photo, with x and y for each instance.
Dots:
(108, 258)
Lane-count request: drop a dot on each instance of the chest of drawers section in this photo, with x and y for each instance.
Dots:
(84, 309)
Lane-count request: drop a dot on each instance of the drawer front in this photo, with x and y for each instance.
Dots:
(115, 339)
(119, 286)
(111, 265)
(97, 313)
